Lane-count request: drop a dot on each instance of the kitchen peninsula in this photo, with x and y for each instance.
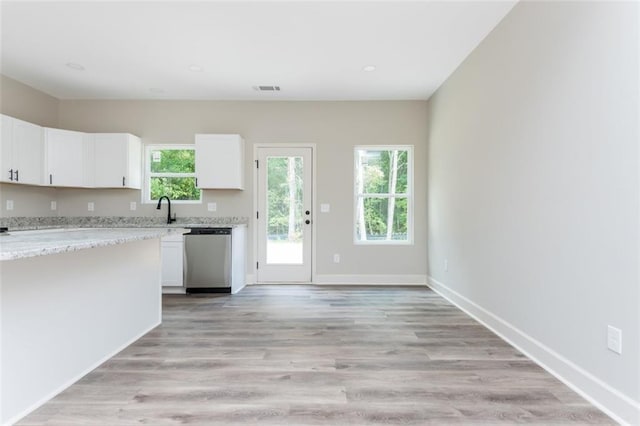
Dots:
(69, 300)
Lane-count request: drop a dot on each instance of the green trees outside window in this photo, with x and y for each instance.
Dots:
(171, 172)
(383, 194)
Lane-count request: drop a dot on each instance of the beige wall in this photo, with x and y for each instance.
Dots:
(26, 103)
(534, 191)
(335, 128)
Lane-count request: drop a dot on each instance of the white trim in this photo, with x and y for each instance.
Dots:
(374, 279)
(173, 290)
(70, 382)
(614, 403)
(252, 277)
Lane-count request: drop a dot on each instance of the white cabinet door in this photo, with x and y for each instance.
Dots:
(6, 149)
(117, 158)
(65, 153)
(21, 151)
(172, 262)
(28, 140)
(220, 161)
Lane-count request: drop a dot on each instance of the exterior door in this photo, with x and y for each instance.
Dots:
(284, 215)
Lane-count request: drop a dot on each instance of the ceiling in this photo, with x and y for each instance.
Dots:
(313, 50)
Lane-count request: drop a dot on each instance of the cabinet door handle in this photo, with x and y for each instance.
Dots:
(10, 174)
(123, 180)
(50, 179)
(196, 182)
(17, 176)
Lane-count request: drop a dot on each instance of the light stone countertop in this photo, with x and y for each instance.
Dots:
(29, 223)
(24, 244)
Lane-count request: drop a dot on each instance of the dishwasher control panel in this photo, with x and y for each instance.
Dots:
(209, 231)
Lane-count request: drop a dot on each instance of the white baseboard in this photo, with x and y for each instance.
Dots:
(614, 403)
(47, 398)
(173, 290)
(374, 279)
(250, 279)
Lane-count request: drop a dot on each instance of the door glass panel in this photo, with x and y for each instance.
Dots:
(285, 215)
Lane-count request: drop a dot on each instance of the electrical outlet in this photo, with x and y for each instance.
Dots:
(212, 207)
(133, 205)
(446, 265)
(614, 339)
(336, 258)
(91, 206)
(9, 204)
(54, 205)
(325, 208)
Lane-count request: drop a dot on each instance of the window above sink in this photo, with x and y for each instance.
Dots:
(170, 171)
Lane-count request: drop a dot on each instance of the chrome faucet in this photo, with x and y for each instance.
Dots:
(169, 218)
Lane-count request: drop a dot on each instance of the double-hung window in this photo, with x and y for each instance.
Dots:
(171, 170)
(383, 194)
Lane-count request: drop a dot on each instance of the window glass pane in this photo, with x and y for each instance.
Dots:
(176, 188)
(383, 171)
(173, 161)
(284, 210)
(382, 219)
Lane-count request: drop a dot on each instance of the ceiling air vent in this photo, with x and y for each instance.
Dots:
(266, 88)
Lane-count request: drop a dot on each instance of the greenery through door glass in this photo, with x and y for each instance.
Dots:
(284, 187)
(172, 173)
(382, 188)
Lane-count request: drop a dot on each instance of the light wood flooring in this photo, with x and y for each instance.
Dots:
(305, 355)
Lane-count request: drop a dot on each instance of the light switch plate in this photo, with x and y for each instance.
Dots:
(614, 339)
(325, 208)
(91, 206)
(133, 205)
(54, 205)
(212, 207)
(9, 204)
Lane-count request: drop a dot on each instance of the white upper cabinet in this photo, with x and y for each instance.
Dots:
(66, 157)
(21, 151)
(117, 160)
(220, 161)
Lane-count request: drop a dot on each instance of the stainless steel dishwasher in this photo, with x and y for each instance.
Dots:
(207, 260)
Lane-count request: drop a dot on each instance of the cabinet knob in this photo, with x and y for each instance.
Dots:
(123, 181)
(307, 212)
(10, 174)
(307, 221)
(17, 177)
(50, 179)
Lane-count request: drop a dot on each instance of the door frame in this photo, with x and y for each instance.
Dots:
(254, 234)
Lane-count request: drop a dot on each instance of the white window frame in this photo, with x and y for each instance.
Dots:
(408, 195)
(146, 193)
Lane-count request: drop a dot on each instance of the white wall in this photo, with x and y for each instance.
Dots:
(534, 190)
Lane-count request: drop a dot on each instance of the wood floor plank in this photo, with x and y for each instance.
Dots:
(306, 355)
